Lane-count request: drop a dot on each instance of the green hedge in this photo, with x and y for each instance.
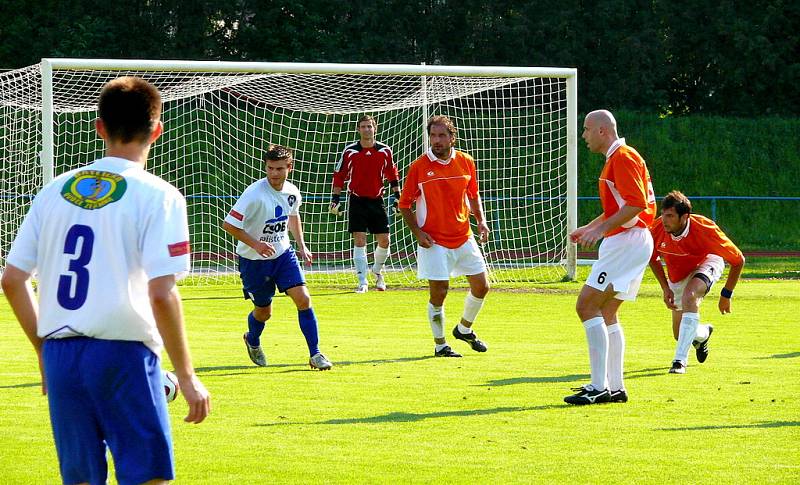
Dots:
(715, 156)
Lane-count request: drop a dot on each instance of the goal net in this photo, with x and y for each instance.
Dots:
(518, 123)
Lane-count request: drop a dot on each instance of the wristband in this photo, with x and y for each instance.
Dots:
(726, 293)
(335, 198)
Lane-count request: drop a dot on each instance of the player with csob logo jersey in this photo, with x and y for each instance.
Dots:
(260, 221)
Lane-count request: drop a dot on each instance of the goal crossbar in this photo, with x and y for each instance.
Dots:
(520, 124)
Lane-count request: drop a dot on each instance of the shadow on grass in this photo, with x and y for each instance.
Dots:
(301, 367)
(401, 417)
(790, 355)
(636, 374)
(240, 297)
(20, 386)
(765, 424)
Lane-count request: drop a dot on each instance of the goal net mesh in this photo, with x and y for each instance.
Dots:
(218, 125)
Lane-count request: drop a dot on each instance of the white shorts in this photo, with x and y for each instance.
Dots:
(711, 267)
(439, 263)
(622, 259)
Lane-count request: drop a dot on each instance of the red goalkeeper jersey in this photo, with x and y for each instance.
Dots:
(366, 169)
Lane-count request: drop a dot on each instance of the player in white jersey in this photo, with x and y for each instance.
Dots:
(108, 242)
(261, 220)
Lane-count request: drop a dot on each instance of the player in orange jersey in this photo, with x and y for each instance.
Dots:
(694, 250)
(442, 184)
(629, 207)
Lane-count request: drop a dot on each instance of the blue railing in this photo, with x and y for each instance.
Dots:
(712, 198)
(715, 198)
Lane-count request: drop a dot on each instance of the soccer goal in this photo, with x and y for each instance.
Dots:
(519, 123)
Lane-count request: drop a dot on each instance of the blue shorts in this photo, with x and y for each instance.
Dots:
(107, 393)
(260, 277)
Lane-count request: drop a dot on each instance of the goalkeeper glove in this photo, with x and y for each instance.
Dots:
(336, 205)
(394, 201)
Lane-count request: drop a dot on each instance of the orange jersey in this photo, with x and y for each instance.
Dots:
(626, 181)
(683, 254)
(440, 191)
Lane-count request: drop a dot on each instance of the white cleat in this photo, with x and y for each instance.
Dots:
(320, 362)
(361, 289)
(380, 284)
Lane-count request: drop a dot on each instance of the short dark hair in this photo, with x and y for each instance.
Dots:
(444, 121)
(277, 152)
(367, 118)
(130, 108)
(678, 201)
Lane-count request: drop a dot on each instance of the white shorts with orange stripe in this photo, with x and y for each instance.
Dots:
(622, 259)
(439, 263)
(711, 268)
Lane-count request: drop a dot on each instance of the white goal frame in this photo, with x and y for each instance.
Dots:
(48, 66)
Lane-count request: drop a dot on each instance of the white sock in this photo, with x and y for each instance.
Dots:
(463, 329)
(472, 306)
(616, 357)
(441, 346)
(597, 337)
(702, 333)
(687, 332)
(436, 319)
(360, 260)
(380, 256)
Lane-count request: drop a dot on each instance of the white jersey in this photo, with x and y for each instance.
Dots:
(263, 213)
(95, 236)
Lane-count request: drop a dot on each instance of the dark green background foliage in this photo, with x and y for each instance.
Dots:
(726, 57)
(707, 92)
(712, 155)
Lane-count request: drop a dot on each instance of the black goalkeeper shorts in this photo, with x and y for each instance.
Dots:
(367, 215)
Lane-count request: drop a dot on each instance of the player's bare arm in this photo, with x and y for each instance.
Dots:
(730, 284)
(424, 239)
(476, 207)
(263, 248)
(296, 230)
(577, 233)
(593, 234)
(168, 313)
(19, 293)
(661, 277)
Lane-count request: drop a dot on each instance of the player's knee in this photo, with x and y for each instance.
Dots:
(691, 298)
(262, 313)
(586, 309)
(480, 291)
(302, 300)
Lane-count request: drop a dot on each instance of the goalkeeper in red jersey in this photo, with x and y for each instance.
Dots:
(366, 164)
(694, 250)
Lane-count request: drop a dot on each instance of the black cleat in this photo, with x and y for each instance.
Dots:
(678, 367)
(588, 395)
(619, 396)
(701, 349)
(446, 351)
(471, 339)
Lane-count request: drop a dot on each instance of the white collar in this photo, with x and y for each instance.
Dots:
(685, 231)
(434, 158)
(617, 143)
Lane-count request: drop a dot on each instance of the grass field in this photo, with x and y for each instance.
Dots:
(390, 413)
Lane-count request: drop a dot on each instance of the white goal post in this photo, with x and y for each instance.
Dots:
(519, 123)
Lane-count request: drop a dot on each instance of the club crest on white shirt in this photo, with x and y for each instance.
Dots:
(94, 189)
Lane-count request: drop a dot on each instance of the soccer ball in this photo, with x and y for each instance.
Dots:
(171, 387)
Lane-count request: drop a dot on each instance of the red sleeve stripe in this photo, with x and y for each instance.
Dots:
(179, 249)
(236, 215)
